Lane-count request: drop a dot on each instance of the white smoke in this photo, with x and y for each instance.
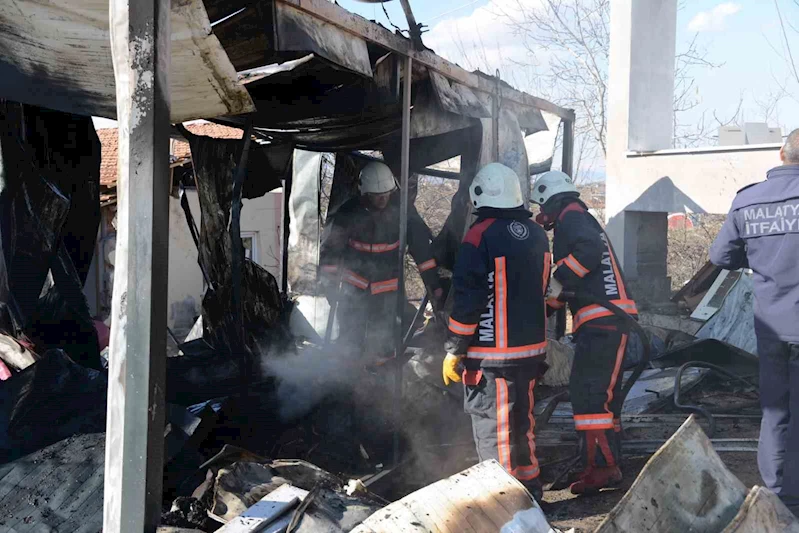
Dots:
(305, 378)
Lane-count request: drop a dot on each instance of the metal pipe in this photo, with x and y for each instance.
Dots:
(414, 29)
(403, 241)
(696, 408)
(495, 121)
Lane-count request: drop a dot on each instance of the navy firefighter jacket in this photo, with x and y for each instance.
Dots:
(762, 232)
(500, 278)
(360, 246)
(587, 266)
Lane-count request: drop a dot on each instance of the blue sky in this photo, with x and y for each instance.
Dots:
(743, 37)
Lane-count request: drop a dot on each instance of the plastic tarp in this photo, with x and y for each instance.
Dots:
(305, 231)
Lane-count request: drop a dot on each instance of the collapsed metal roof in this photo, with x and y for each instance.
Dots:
(312, 73)
(57, 54)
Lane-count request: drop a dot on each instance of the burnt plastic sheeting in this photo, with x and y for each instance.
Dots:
(49, 201)
(62, 318)
(214, 163)
(305, 232)
(68, 153)
(49, 401)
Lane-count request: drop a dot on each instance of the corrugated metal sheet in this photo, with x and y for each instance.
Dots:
(57, 54)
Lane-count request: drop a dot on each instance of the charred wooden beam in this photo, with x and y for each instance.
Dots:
(140, 44)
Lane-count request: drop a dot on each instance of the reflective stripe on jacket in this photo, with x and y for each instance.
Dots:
(588, 266)
(499, 282)
(360, 245)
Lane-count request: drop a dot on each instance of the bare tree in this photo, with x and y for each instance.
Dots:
(575, 36)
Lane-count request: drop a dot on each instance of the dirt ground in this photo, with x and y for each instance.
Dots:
(586, 513)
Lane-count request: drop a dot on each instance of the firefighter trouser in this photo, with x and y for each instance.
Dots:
(595, 389)
(500, 402)
(366, 322)
(778, 449)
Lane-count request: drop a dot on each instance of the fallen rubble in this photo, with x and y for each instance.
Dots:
(686, 487)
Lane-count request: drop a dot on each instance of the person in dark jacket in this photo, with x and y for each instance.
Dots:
(359, 264)
(587, 266)
(762, 232)
(498, 323)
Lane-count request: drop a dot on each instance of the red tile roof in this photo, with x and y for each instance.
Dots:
(180, 149)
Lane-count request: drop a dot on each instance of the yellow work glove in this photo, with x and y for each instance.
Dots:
(450, 368)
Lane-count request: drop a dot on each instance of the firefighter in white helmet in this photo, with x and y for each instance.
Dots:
(497, 328)
(587, 268)
(358, 262)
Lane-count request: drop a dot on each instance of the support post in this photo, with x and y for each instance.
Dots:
(284, 279)
(405, 158)
(567, 166)
(495, 120)
(134, 455)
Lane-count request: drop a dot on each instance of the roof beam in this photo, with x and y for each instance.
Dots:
(369, 31)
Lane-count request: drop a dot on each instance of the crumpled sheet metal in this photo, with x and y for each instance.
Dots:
(684, 487)
(58, 54)
(734, 323)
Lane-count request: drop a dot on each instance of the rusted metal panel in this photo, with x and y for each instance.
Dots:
(57, 54)
(457, 98)
(297, 31)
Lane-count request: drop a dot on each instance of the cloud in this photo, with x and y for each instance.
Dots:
(483, 38)
(715, 19)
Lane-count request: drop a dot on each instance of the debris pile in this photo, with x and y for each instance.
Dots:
(687, 487)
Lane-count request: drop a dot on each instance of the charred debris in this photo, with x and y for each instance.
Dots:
(265, 417)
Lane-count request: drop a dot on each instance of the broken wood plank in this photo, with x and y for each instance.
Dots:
(482, 498)
(684, 487)
(763, 512)
(270, 510)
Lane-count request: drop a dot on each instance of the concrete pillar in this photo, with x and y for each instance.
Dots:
(640, 118)
(134, 443)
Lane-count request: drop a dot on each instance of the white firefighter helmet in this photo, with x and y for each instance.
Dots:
(376, 178)
(496, 186)
(551, 183)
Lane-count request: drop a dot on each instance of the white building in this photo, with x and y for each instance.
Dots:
(261, 231)
(646, 178)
